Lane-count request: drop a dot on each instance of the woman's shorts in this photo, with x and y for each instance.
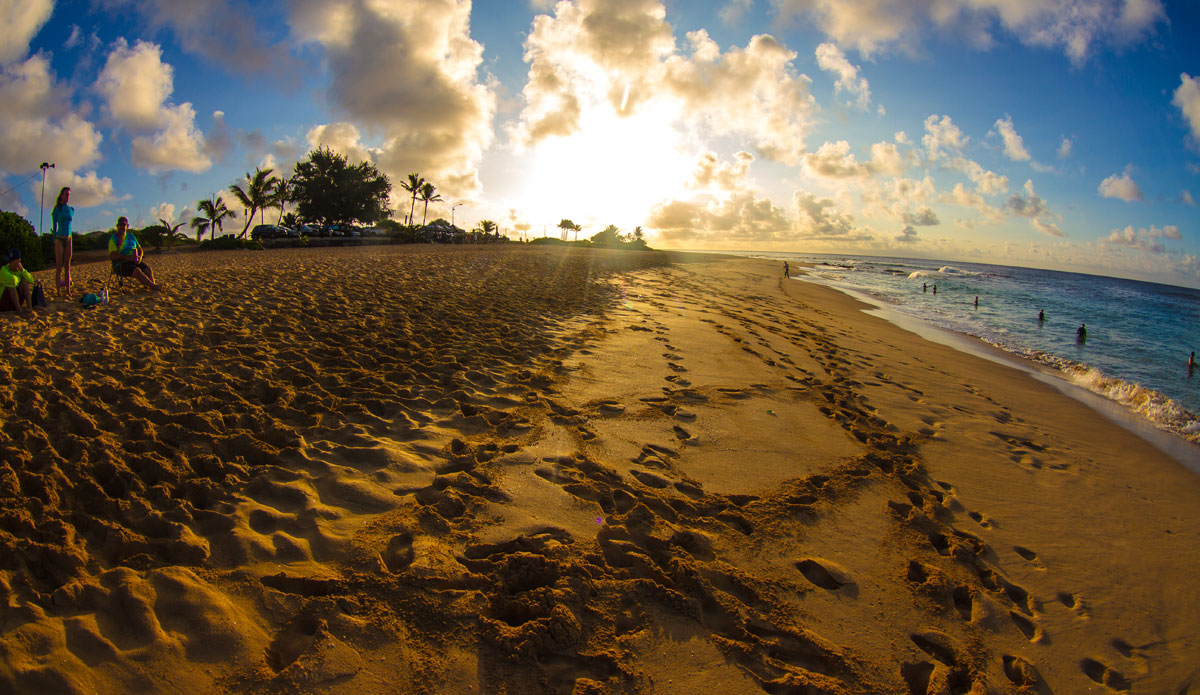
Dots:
(126, 268)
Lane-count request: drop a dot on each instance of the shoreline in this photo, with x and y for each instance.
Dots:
(563, 471)
(1174, 444)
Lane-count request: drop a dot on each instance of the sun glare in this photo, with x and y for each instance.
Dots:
(612, 171)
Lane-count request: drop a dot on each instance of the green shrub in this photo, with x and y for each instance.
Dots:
(230, 242)
(17, 232)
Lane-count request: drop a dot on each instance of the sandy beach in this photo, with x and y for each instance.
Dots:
(513, 470)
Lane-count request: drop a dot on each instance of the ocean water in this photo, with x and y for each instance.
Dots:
(1139, 334)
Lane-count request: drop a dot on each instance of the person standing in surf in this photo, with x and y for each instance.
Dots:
(60, 229)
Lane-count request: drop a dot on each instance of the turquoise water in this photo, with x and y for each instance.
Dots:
(1139, 334)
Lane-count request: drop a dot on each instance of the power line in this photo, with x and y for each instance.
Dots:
(34, 176)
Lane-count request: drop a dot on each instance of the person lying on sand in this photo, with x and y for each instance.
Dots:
(16, 285)
(126, 254)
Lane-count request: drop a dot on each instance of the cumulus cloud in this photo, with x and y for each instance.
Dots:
(1076, 28)
(923, 217)
(1122, 187)
(734, 10)
(622, 56)
(408, 70)
(712, 173)
(969, 199)
(1065, 147)
(942, 138)
(1144, 239)
(820, 219)
(834, 160)
(163, 211)
(1032, 206)
(1186, 198)
(87, 190)
(342, 138)
(1187, 99)
(21, 20)
(908, 236)
(136, 85)
(831, 59)
(223, 31)
(1014, 146)
(986, 181)
(739, 217)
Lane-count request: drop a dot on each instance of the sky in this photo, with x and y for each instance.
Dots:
(1044, 133)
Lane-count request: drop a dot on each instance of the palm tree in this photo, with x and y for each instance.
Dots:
(414, 184)
(210, 216)
(290, 220)
(280, 196)
(172, 232)
(429, 196)
(258, 195)
(487, 227)
(565, 225)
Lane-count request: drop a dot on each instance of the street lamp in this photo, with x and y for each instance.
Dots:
(42, 205)
(452, 213)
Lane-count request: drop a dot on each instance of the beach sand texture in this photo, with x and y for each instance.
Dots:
(519, 470)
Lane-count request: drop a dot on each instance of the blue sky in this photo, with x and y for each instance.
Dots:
(1028, 132)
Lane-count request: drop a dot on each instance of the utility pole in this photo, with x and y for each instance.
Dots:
(42, 205)
(452, 213)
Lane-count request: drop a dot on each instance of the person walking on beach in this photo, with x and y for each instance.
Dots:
(126, 255)
(787, 273)
(60, 229)
(16, 285)
(1081, 333)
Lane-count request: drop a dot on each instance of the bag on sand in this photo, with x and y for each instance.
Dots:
(38, 296)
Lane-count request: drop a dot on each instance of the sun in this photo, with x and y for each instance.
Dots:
(613, 170)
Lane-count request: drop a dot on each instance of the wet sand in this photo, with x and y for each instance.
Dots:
(519, 470)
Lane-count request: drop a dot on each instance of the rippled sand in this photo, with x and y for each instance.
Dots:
(518, 470)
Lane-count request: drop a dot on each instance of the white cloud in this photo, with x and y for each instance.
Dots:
(831, 59)
(621, 57)
(1076, 27)
(342, 138)
(986, 181)
(224, 31)
(163, 211)
(88, 190)
(434, 114)
(1122, 187)
(962, 197)
(21, 20)
(713, 174)
(734, 10)
(942, 138)
(1032, 206)
(908, 236)
(38, 122)
(739, 217)
(1187, 98)
(833, 160)
(820, 219)
(1064, 147)
(1186, 198)
(136, 85)
(1014, 146)
(1144, 239)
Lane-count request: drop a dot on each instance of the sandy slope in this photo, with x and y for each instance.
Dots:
(412, 470)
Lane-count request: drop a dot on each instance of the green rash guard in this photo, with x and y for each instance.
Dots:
(10, 279)
(60, 221)
(125, 249)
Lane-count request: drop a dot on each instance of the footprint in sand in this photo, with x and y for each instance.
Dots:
(650, 480)
(399, 552)
(980, 519)
(1030, 629)
(1026, 553)
(1020, 672)
(681, 433)
(1102, 674)
(825, 574)
(1075, 603)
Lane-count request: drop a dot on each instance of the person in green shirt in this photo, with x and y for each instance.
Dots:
(16, 285)
(126, 255)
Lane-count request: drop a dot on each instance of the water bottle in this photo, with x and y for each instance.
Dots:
(103, 295)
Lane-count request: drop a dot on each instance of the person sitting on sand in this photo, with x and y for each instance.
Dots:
(126, 254)
(16, 285)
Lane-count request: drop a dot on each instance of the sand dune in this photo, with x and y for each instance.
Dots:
(513, 470)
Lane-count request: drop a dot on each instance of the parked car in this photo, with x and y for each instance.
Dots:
(266, 231)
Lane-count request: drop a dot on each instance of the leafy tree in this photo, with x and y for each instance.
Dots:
(210, 217)
(611, 236)
(328, 190)
(17, 232)
(259, 194)
(428, 195)
(414, 184)
(290, 220)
